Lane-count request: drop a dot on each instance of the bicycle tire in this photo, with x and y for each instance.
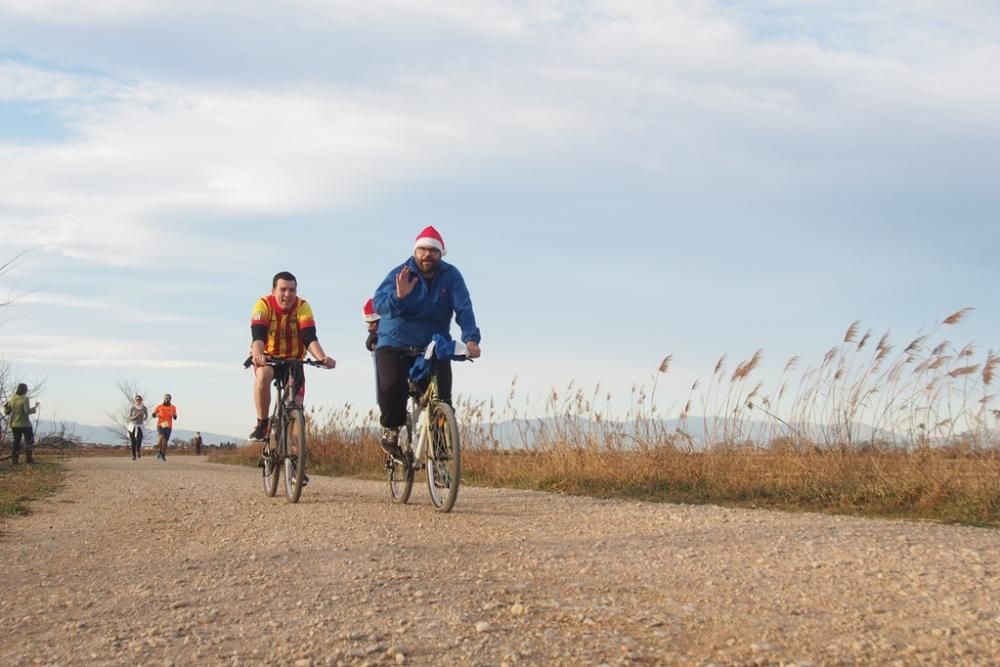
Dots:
(272, 466)
(295, 454)
(444, 458)
(400, 473)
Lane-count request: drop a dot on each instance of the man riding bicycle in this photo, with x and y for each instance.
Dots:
(415, 301)
(281, 327)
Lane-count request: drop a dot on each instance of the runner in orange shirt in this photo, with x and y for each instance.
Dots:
(165, 413)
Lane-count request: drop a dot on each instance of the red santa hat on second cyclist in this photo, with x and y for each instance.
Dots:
(430, 238)
(369, 311)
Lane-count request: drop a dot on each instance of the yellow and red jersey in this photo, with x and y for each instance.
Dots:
(165, 415)
(284, 327)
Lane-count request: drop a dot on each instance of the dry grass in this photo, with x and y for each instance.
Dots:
(23, 483)
(862, 432)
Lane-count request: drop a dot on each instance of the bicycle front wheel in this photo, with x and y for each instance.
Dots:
(272, 467)
(295, 454)
(444, 458)
(400, 473)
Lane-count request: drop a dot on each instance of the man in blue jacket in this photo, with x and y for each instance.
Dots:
(415, 301)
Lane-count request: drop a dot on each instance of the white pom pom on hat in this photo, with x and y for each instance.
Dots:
(369, 311)
(430, 238)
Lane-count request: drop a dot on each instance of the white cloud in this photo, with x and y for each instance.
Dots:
(68, 11)
(63, 300)
(60, 350)
(162, 151)
(677, 84)
(25, 83)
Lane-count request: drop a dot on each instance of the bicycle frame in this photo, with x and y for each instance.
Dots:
(424, 405)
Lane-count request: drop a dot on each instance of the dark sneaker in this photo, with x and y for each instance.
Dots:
(305, 480)
(390, 443)
(259, 433)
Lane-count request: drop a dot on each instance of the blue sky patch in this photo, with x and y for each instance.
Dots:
(30, 123)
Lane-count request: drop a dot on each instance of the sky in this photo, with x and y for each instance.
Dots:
(617, 180)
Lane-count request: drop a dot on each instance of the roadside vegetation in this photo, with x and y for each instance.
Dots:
(867, 431)
(22, 483)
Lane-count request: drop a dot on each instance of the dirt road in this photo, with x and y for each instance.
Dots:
(186, 562)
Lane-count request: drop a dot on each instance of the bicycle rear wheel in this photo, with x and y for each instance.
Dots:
(295, 454)
(444, 458)
(400, 473)
(272, 466)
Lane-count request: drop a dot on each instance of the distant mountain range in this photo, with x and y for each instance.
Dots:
(103, 435)
(521, 433)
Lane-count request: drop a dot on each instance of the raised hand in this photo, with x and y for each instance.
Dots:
(405, 282)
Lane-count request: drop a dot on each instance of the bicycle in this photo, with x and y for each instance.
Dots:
(437, 448)
(286, 446)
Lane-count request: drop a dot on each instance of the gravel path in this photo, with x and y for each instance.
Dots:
(188, 563)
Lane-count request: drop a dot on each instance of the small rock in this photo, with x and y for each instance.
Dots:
(482, 626)
(518, 609)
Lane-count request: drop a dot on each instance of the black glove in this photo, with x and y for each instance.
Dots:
(372, 341)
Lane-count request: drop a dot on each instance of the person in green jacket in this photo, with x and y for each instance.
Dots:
(17, 409)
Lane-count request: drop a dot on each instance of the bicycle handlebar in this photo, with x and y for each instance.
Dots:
(271, 361)
(414, 351)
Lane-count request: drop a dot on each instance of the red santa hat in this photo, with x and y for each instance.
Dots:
(430, 238)
(369, 311)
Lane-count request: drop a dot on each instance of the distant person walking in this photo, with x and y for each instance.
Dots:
(138, 413)
(165, 413)
(18, 410)
(197, 443)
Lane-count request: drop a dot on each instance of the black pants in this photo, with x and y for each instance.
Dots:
(135, 437)
(393, 368)
(28, 435)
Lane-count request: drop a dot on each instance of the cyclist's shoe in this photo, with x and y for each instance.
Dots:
(305, 480)
(259, 433)
(390, 443)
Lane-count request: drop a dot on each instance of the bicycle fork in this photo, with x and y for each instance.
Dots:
(422, 431)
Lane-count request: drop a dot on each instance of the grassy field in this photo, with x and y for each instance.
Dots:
(23, 483)
(940, 485)
(866, 431)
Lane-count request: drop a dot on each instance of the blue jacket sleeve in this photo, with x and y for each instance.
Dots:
(464, 315)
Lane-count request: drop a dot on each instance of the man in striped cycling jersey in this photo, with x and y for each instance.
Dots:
(281, 327)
